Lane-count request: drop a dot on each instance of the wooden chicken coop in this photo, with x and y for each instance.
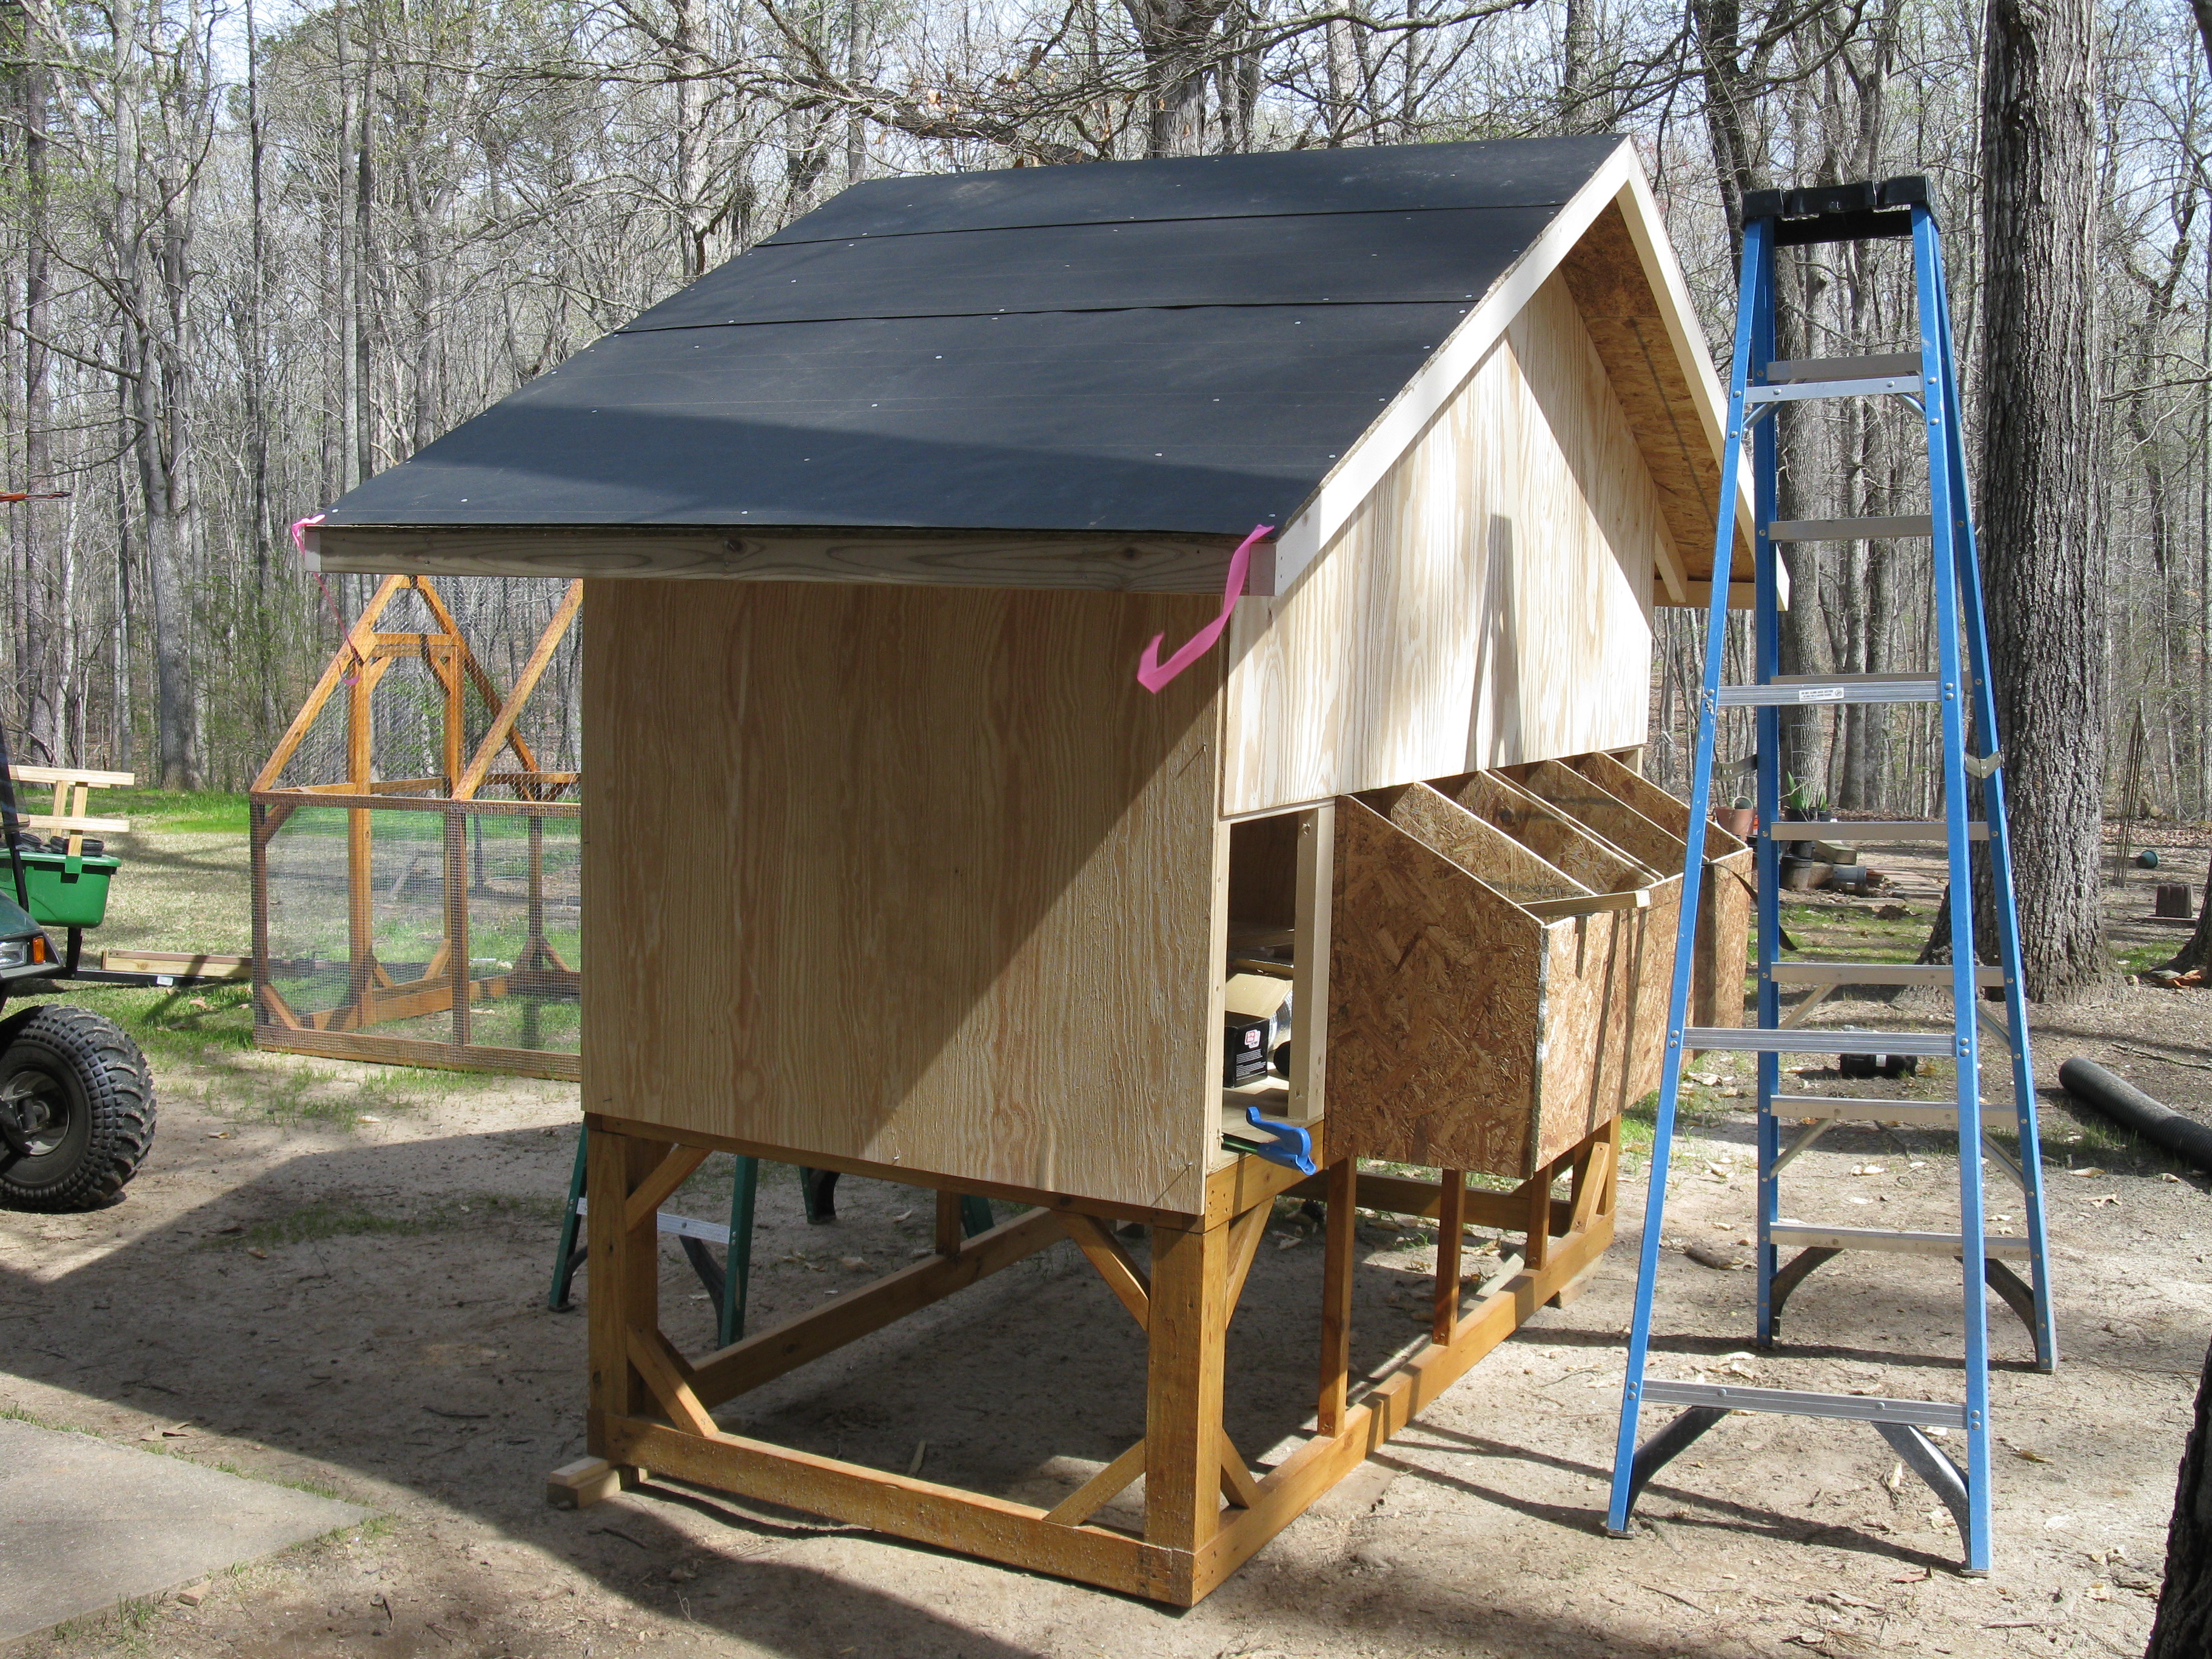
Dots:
(875, 524)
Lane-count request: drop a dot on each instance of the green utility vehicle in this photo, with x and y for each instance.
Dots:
(77, 1098)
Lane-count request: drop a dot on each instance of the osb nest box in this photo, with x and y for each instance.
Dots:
(892, 863)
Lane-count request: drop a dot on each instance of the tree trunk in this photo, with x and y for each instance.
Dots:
(2042, 554)
(39, 700)
(2197, 952)
(2183, 1629)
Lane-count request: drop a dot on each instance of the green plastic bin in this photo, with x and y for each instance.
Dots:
(64, 898)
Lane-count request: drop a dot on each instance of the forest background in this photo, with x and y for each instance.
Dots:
(256, 251)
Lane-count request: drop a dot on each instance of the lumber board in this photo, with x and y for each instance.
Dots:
(1551, 833)
(670, 1379)
(1183, 1453)
(501, 730)
(180, 963)
(1487, 603)
(762, 1357)
(945, 1517)
(1289, 1489)
(1128, 1282)
(75, 825)
(1115, 563)
(55, 775)
(1403, 1195)
(409, 1051)
(625, 1281)
(672, 1172)
(1314, 913)
(1229, 1191)
(895, 836)
(1100, 1490)
(1340, 1260)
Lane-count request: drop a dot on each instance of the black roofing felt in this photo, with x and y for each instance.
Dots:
(1153, 346)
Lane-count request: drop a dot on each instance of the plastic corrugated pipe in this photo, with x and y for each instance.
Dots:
(2124, 1104)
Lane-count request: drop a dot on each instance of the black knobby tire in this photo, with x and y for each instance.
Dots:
(84, 1089)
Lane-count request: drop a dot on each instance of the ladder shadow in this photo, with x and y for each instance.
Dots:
(1731, 1516)
(1689, 1344)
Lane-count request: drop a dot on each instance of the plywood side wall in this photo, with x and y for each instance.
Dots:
(915, 876)
(1489, 604)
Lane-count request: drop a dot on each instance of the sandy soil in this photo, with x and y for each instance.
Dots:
(337, 1276)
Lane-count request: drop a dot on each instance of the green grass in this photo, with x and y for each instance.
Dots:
(327, 1219)
(182, 811)
(2141, 958)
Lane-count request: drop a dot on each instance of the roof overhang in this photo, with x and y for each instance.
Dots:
(1609, 245)
(1605, 240)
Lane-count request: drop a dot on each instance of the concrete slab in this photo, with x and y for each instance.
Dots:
(85, 1523)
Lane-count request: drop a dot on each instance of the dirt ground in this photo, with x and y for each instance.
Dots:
(336, 1275)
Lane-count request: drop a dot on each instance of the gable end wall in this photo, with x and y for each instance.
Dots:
(1490, 602)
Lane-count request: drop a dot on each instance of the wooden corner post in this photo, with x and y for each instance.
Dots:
(624, 1293)
(1182, 1404)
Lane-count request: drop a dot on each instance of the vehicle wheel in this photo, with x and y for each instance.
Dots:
(82, 1093)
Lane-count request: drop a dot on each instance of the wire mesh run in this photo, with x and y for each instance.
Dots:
(416, 838)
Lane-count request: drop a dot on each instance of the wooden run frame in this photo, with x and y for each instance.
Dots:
(1206, 1510)
(445, 984)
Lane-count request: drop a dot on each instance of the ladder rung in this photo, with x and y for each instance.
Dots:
(1851, 530)
(1797, 391)
(1928, 1114)
(1800, 370)
(1841, 688)
(1851, 832)
(1752, 1040)
(1793, 1402)
(1876, 1238)
(1874, 973)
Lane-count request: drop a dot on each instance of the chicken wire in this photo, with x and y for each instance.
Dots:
(518, 902)
(366, 907)
(501, 619)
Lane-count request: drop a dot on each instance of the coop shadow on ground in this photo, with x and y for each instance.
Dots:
(404, 1336)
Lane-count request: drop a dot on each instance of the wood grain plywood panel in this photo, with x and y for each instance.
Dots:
(1725, 901)
(1488, 603)
(1559, 839)
(1480, 848)
(1416, 947)
(913, 876)
(1627, 325)
(1605, 1017)
(1603, 813)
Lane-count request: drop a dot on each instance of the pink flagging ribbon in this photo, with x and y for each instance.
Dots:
(299, 529)
(1151, 673)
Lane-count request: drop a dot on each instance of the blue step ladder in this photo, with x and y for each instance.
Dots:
(1758, 386)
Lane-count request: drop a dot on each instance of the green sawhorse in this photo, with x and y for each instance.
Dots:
(727, 1279)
